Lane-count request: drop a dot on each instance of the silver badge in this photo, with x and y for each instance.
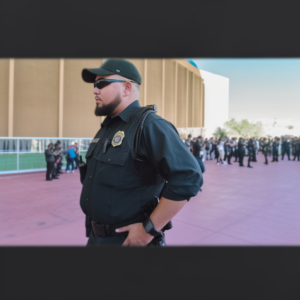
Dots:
(95, 140)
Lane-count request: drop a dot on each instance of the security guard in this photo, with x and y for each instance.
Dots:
(236, 152)
(286, 145)
(265, 146)
(231, 149)
(242, 150)
(135, 156)
(250, 147)
(275, 152)
(297, 148)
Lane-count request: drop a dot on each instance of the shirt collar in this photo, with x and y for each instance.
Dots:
(125, 114)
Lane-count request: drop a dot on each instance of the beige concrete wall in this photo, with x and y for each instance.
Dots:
(190, 99)
(4, 82)
(50, 98)
(36, 90)
(169, 103)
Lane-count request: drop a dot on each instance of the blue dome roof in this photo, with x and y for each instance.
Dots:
(192, 63)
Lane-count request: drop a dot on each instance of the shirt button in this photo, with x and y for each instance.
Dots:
(108, 160)
(86, 199)
(108, 128)
(90, 177)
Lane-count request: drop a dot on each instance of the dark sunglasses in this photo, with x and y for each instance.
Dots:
(103, 82)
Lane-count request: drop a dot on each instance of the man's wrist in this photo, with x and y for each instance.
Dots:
(150, 228)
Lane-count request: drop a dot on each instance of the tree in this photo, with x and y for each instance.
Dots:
(220, 132)
(290, 127)
(244, 128)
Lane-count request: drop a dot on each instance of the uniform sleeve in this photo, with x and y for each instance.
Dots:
(172, 159)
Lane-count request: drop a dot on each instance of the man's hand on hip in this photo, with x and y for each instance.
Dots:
(137, 235)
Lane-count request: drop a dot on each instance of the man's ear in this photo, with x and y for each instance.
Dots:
(127, 89)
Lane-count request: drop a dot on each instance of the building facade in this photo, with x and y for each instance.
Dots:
(48, 98)
(216, 104)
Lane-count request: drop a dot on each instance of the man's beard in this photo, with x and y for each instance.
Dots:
(107, 110)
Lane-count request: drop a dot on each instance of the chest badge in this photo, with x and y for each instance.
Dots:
(118, 138)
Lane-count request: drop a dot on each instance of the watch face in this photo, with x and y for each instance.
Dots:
(148, 227)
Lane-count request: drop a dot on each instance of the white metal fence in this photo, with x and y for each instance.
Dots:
(27, 154)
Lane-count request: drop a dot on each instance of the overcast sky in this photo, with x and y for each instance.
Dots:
(259, 88)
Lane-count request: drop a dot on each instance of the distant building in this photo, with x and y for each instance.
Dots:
(216, 104)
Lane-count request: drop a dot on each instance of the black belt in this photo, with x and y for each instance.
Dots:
(110, 230)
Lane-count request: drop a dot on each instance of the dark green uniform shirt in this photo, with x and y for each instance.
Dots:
(113, 192)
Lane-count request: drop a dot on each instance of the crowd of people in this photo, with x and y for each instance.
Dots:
(224, 149)
(54, 156)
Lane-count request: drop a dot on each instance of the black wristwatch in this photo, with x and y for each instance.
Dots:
(149, 227)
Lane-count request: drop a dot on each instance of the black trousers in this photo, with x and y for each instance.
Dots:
(250, 158)
(211, 151)
(236, 154)
(54, 172)
(254, 156)
(241, 158)
(58, 168)
(285, 151)
(266, 158)
(297, 154)
(76, 162)
(217, 154)
(49, 169)
(275, 155)
(229, 157)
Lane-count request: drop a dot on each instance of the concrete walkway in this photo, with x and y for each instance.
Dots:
(237, 206)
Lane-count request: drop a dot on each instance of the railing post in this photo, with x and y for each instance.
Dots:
(18, 153)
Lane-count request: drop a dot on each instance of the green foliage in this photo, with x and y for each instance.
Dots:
(220, 132)
(244, 128)
(290, 127)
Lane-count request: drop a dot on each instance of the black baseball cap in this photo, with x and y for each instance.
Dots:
(113, 66)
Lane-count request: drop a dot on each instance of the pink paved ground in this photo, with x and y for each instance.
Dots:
(238, 206)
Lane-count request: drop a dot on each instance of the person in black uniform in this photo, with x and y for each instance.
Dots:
(234, 148)
(297, 149)
(188, 141)
(250, 147)
(226, 152)
(265, 147)
(262, 145)
(135, 156)
(293, 148)
(198, 148)
(211, 140)
(50, 159)
(76, 159)
(207, 144)
(58, 157)
(288, 147)
(241, 149)
(275, 146)
(230, 152)
(236, 152)
(217, 153)
(213, 148)
(255, 149)
(193, 141)
(285, 146)
(54, 168)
